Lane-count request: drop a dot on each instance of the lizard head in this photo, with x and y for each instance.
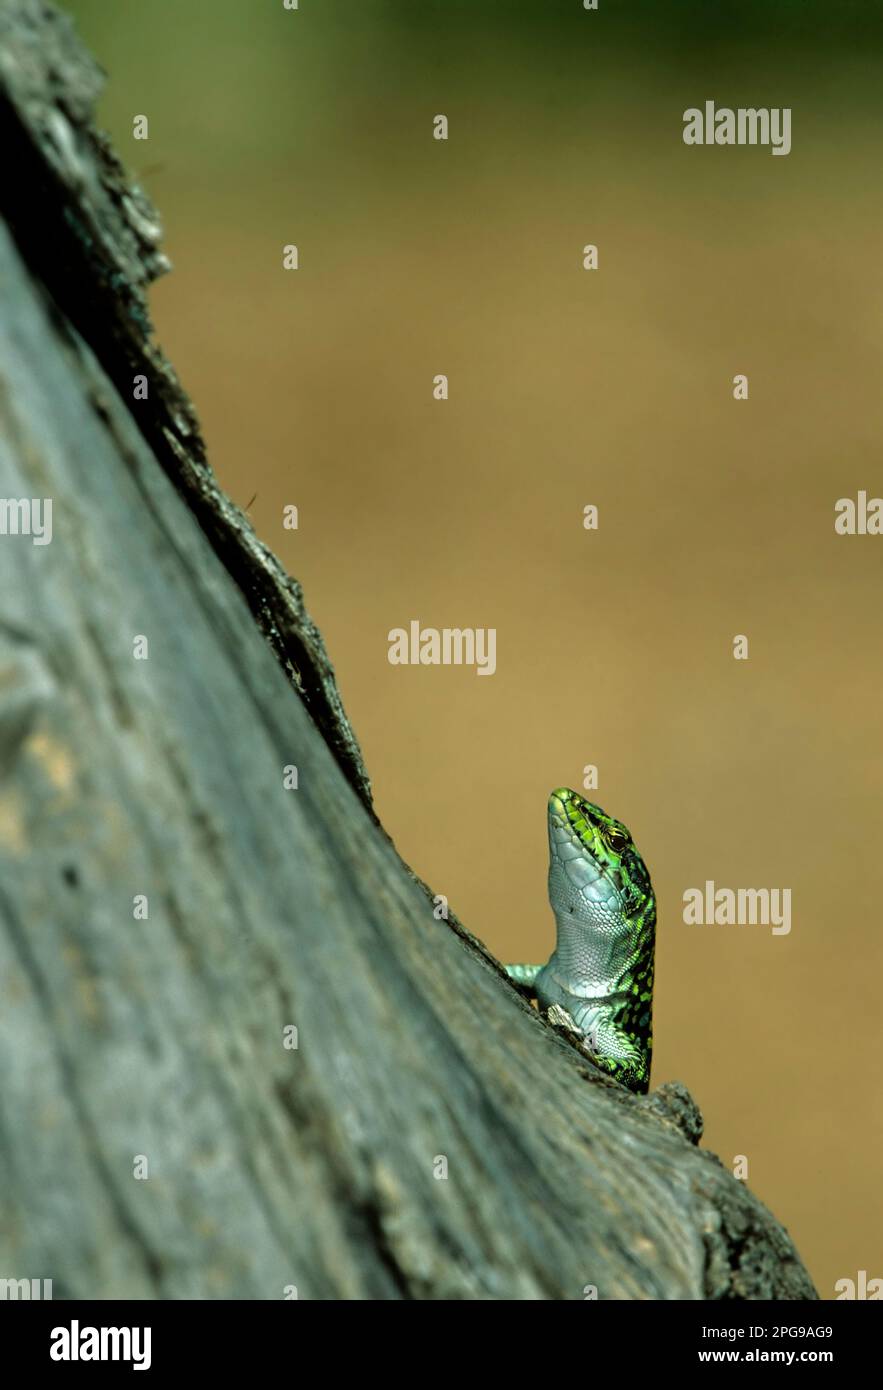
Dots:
(594, 866)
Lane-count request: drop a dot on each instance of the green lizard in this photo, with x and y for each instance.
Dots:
(601, 971)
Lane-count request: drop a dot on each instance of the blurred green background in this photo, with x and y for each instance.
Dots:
(567, 387)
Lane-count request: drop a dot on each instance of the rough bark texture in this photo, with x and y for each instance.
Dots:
(267, 1166)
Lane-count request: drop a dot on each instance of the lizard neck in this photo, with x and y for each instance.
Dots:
(590, 956)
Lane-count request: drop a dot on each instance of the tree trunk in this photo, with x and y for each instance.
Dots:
(170, 912)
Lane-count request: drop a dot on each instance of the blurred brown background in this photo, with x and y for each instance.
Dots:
(567, 387)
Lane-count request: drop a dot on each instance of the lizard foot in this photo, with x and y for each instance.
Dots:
(588, 1041)
(585, 1041)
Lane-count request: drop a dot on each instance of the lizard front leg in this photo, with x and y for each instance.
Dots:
(595, 1030)
(524, 978)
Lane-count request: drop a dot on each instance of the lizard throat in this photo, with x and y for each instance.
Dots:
(591, 954)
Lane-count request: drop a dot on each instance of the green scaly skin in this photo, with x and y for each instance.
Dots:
(601, 971)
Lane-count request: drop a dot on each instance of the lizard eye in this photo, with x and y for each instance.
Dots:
(616, 839)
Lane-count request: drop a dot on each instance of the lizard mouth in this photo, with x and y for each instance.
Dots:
(566, 808)
(559, 801)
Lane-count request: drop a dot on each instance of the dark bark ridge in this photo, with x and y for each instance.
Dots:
(429, 1136)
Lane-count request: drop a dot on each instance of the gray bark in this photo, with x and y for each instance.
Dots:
(163, 1038)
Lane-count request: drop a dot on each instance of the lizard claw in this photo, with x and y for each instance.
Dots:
(560, 1018)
